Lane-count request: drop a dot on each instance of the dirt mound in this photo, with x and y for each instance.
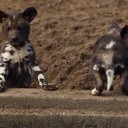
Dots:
(64, 32)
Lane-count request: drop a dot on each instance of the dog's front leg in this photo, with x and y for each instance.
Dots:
(3, 74)
(41, 78)
(38, 72)
(5, 58)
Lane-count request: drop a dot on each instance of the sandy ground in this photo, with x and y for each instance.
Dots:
(64, 32)
(36, 108)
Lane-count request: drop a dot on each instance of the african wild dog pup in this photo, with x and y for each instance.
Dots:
(18, 61)
(110, 58)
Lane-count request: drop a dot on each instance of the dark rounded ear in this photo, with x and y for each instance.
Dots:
(124, 31)
(29, 14)
(2, 16)
(114, 25)
(114, 28)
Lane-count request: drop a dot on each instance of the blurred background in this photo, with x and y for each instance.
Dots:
(64, 32)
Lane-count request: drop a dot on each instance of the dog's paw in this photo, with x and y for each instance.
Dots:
(94, 92)
(49, 87)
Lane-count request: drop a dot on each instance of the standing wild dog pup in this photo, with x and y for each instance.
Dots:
(18, 61)
(110, 58)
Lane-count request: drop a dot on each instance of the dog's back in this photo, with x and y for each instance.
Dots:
(109, 50)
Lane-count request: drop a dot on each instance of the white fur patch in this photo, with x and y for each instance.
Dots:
(110, 45)
(110, 77)
(2, 70)
(14, 16)
(41, 76)
(103, 66)
(2, 77)
(6, 56)
(19, 55)
(94, 91)
(36, 68)
(95, 67)
(8, 48)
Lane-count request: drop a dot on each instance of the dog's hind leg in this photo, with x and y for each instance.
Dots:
(100, 83)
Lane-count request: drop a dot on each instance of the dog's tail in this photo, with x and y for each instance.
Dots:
(110, 77)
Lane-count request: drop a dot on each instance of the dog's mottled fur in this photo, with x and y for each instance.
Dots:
(110, 58)
(18, 61)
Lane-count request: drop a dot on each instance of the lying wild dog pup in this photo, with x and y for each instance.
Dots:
(18, 61)
(110, 57)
